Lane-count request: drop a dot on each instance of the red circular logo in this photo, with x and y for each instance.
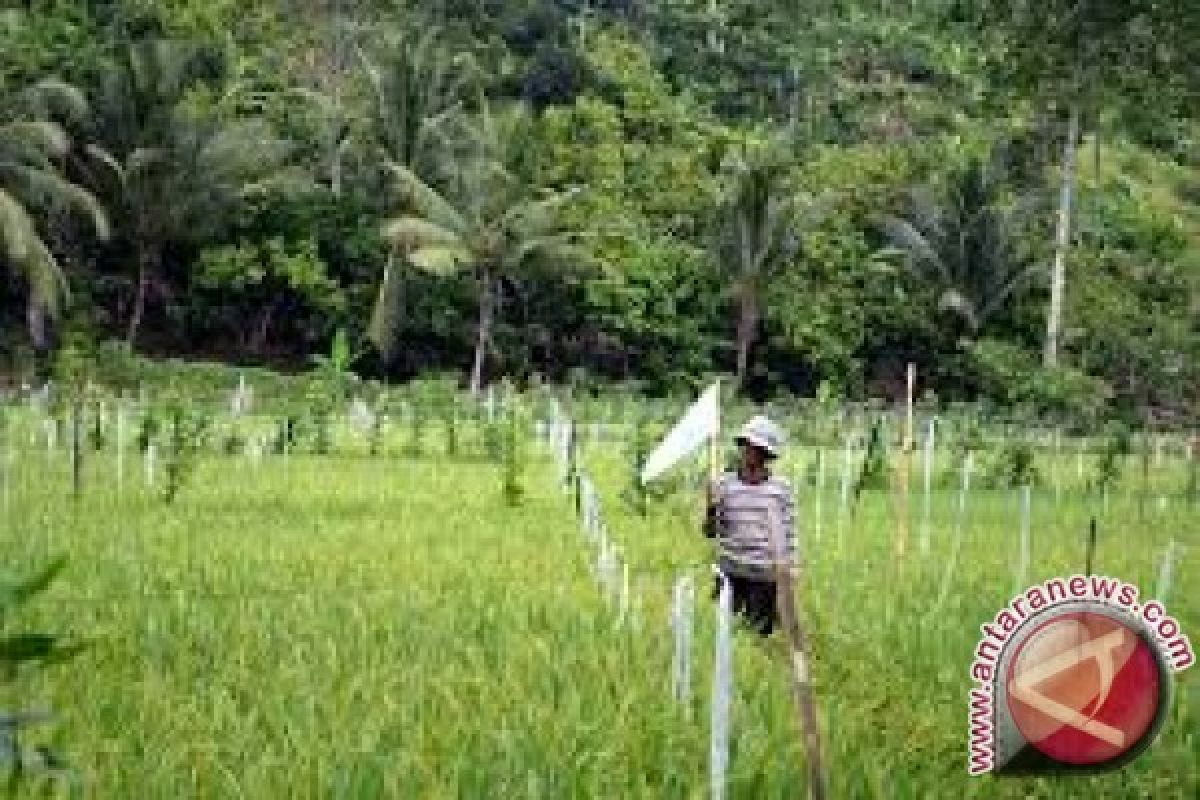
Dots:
(1085, 689)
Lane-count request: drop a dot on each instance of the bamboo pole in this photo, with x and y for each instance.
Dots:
(714, 459)
(714, 444)
(806, 708)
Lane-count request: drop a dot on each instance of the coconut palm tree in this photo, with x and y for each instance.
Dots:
(32, 188)
(965, 238)
(168, 174)
(483, 218)
(415, 92)
(415, 88)
(757, 234)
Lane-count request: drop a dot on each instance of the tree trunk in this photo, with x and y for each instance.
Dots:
(35, 318)
(484, 332)
(1062, 241)
(147, 260)
(747, 326)
(257, 342)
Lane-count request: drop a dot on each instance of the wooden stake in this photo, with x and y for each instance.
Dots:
(714, 444)
(714, 462)
(806, 708)
(1090, 556)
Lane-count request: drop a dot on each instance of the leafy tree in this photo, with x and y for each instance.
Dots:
(33, 188)
(967, 239)
(414, 100)
(487, 221)
(1083, 60)
(168, 172)
(415, 88)
(757, 233)
(265, 284)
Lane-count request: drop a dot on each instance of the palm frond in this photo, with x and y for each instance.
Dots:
(904, 236)
(411, 233)
(42, 188)
(29, 256)
(47, 284)
(955, 301)
(105, 159)
(440, 259)
(423, 199)
(52, 97)
(562, 253)
(241, 151)
(16, 229)
(385, 315)
(33, 140)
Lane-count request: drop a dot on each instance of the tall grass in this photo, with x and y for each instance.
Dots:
(349, 626)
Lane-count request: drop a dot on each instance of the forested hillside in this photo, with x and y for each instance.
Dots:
(1006, 194)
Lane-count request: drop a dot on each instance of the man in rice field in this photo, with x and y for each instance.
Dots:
(738, 503)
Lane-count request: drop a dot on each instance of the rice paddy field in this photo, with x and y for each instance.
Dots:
(357, 626)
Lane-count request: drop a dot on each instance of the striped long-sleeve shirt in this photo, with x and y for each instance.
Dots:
(738, 520)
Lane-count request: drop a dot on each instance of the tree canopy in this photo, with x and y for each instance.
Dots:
(1006, 194)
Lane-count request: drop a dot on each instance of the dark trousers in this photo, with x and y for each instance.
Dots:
(754, 601)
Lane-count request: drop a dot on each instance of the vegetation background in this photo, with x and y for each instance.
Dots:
(623, 191)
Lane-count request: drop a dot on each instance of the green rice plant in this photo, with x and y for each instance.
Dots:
(233, 443)
(320, 419)
(337, 628)
(450, 422)
(512, 487)
(97, 437)
(185, 430)
(494, 439)
(414, 447)
(26, 766)
(634, 493)
(284, 440)
(1011, 463)
(1117, 445)
(875, 472)
(966, 433)
(375, 430)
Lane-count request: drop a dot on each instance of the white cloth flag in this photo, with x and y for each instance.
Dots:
(699, 424)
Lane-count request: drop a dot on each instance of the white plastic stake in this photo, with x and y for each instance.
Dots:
(1165, 571)
(681, 622)
(820, 491)
(722, 691)
(119, 444)
(1023, 557)
(844, 498)
(1054, 479)
(959, 524)
(927, 468)
(623, 605)
(149, 463)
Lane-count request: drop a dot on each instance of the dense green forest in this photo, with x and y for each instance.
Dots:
(1006, 194)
